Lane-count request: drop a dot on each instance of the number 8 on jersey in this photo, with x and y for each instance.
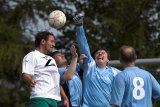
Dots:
(138, 91)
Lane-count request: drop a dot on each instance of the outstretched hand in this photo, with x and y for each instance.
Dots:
(74, 51)
(78, 19)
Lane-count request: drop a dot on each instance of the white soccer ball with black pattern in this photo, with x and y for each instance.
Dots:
(57, 19)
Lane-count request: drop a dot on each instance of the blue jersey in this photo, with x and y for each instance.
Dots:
(97, 81)
(134, 87)
(74, 85)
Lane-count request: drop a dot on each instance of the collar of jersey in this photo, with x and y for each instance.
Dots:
(40, 53)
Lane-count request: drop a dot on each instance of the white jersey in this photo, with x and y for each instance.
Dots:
(44, 70)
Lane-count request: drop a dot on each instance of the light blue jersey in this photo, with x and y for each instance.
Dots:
(74, 85)
(134, 87)
(97, 81)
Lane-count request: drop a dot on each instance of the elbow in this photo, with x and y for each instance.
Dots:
(70, 77)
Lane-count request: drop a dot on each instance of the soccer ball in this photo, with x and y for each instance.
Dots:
(57, 19)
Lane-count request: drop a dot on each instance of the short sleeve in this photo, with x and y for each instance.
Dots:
(118, 88)
(61, 72)
(28, 64)
(155, 88)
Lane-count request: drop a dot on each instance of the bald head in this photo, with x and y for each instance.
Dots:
(127, 54)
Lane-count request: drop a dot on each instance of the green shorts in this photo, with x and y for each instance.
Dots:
(42, 102)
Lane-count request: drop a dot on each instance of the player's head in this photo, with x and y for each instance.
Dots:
(101, 57)
(45, 40)
(127, 55)
(59, 58)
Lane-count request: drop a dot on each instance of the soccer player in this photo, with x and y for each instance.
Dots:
(98, 76)
(40, 72)
(133, 87)
(69, 75)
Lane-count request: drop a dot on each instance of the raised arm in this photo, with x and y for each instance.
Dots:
(72, 67)
(80, 36)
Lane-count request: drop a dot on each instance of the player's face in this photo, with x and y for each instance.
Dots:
(101, 57)
(60, 59)
(50, 44)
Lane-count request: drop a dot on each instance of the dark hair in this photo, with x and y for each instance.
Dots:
(100, 48)
(42, 35)
(127, 54)
(54, 53)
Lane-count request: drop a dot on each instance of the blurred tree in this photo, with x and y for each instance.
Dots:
(12, 89)
(109, 23)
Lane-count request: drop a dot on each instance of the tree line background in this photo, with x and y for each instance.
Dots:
(108, 23)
